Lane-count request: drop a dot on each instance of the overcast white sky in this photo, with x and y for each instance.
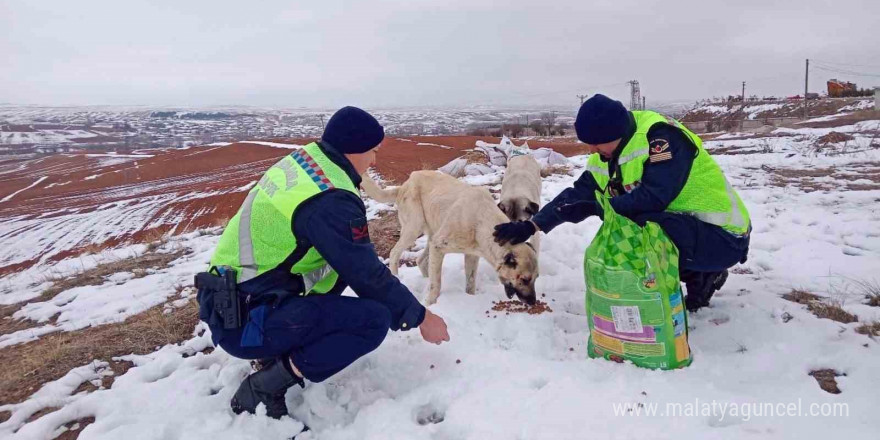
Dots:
(418, 52)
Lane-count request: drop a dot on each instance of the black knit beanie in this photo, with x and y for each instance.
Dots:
(352, 131)
(601, 120)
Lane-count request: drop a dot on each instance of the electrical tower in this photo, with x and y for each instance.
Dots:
(582, 97)
(635, 95)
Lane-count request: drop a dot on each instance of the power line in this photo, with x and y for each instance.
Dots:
(845, 71)
(832, 63)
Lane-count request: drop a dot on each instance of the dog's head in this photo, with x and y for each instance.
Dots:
(518, 208)
(518, 272)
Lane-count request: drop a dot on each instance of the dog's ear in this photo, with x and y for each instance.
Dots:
(532, 208)
(510, 260)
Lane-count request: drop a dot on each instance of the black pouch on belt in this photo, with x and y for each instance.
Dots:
(219, 284)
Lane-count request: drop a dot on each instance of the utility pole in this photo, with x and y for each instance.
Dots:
(744, 93)
(806, 87)
(635, 98)
(322, 121)
(582, 97)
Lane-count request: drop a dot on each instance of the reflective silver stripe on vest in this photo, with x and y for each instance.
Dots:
(734, 217)
(315, 276)
(596, 169)
(245, 242)
(632, 156)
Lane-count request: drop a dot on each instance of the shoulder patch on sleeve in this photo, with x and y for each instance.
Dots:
(360, 231)
(659, 150)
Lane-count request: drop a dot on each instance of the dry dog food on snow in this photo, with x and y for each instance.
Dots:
(514, 306)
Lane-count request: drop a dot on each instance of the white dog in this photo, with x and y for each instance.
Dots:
(457, 218)
(521, 191)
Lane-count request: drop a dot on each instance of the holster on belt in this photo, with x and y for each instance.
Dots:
(220, 285)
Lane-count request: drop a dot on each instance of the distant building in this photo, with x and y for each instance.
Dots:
(837, 88)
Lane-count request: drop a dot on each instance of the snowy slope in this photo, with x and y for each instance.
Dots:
(527, 376)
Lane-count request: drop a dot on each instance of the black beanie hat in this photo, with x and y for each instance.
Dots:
(600, 120)
(352, 131)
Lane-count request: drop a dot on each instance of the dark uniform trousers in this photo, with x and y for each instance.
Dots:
(321, 333)
(705, 250)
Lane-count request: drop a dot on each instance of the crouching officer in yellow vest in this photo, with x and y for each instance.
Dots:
(654, 169)
(298, 240)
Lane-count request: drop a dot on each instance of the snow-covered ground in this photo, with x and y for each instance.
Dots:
(44, 136)
(527, 376)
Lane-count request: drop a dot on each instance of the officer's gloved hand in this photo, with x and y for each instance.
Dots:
(514, 232)
(576, 212)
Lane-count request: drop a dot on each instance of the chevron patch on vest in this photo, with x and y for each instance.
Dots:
(312, 169)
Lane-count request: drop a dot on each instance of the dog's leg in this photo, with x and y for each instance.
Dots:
(470, 273)
(423, 263)
(436, 270)
(408, 236)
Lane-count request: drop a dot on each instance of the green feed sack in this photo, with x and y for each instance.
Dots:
(634, 300)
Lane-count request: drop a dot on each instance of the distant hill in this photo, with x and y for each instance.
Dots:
(728, 111)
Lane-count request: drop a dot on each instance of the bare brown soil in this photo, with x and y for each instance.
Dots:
(801, 296)
(220, 176)
(871, 329)
(27, 366)
(847, 119)
(384, 232)
(805, 179)
(822, 307)
(832, 311)
(827, 379)
(73, 434)
(556, 170)
(834, 137)
(137, 265)
(400, 156)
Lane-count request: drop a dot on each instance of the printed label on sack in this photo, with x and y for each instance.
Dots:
(626, 319)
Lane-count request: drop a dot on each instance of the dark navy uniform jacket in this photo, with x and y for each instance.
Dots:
(335, 224)
(661, 182)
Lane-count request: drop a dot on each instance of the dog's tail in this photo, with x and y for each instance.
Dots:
(380, 195)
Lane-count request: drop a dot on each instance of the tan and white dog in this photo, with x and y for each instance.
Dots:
(457, 218)
(521, 191)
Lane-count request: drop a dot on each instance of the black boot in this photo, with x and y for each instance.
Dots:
(266, 386)
(700, 288)
(720, 280)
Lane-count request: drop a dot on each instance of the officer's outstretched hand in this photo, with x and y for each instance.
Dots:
(576, 212)
(433, 328)
(514, 232)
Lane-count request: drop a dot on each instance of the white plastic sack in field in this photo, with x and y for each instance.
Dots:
(548, 158)
(496, 155)
(455, 168)
(499, 153)
(478, 169)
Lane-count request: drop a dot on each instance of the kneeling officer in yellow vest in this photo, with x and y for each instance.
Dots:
(298, 240)
(653, 169)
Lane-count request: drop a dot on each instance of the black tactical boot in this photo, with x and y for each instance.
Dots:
(720, 280)
(700, 288)
(266, 386)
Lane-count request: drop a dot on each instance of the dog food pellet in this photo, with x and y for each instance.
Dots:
(458, 361)
(514, 306)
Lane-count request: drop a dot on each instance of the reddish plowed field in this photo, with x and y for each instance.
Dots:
(109, 200)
